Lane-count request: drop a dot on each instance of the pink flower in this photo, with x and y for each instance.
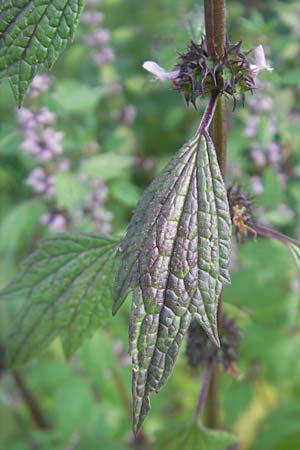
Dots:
(160, 73)
(92, 17)
(106, 56)
(100, 37)
(260, 61)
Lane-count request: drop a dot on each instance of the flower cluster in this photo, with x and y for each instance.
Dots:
(197, 73)
(200, 349)
(42, 141)
(261, 105)
(102, 53)
(269, 153)
(44, 144)
(94, 207)
(41, 182)
(56, 220)
(98, 39)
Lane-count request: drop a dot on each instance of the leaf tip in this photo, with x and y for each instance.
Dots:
(118, 300)
(214, 336)
(115, 308)
(140, 403)
(139, 413)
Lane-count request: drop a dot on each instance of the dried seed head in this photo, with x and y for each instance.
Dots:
(240, 205)
(232, 74)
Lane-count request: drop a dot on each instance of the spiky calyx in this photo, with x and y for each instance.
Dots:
(200, 349)
(199, 73)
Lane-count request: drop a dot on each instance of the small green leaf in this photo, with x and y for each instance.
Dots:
(67, 287)
(125, 192)
(18, 226)
(175, 258)
(191, 436)
(107, 166)
(32, 35)
(69, 191)
(75, 97)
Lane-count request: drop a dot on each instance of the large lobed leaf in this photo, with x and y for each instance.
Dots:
(32, 35)
(192, 436)
(175, 256)
(67, 287)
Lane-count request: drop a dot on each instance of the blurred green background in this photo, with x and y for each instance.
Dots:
(119, 129)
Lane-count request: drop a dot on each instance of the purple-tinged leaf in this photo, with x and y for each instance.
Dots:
(175, 258)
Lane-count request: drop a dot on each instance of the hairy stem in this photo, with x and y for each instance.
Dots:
(219, 133)
(209, 26)
(215, 26)
(219, 26)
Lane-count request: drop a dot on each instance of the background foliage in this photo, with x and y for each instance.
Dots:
(119, 130)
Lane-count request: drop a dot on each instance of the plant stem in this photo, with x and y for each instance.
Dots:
(219, 133)
(269, 233)
(30, 401)
(215, 26)
(205, 383)
(212, 419)
(219, 26)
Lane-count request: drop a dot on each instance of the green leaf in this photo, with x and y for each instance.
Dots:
(191, 436)
(175, 257)
(125, 192)
(70, 192)
(107, 166)
(280, 429)
(32, 35)
(76, 98)
(67, 287)
(18, 226)
(73, 399)
(273, 190)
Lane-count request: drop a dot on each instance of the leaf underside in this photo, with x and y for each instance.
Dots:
(67, 287)
(175, 258)
(32, 35)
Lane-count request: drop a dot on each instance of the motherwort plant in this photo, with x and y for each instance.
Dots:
(174, 258)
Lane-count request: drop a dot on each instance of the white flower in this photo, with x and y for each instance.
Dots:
(260, 61)
(160, 73)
